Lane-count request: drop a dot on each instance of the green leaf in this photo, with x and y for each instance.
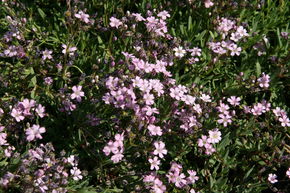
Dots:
(41, 13)
(258, 68)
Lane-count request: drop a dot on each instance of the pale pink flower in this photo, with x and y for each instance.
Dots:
(180, 180)
(235, 37)
(17, 114)
(149, 178)
(224, 119)
(154, 130)
(69, 50)
(192, 176)
(214, 136)
(150, 111)
(155, 162)
(235, 50)
(205, 98)
(272, 178)
(163, 14)
(117, 157)
(197, 108)
(138, 17)
(285, 122)
(149, 98)
(114, 22)
(9, 150)
(233, 100)
(160, 149)
(208, 3)
(288, 172)
(26, 105)
(82, 16)
(202, 141)
(34, 132)
(279, 112)
(264, 80)
(46, 54)
(210, 150)
(71, 160)
(223, 108)
(77, 93)
(76, 173)
(188, 99)
(40, 110)
(242, 31)
(3, 139)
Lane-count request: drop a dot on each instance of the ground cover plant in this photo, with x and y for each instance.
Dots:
(144, 96)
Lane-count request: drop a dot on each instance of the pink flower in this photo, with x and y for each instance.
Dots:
(46, 54)
(3, 139)
(71, 160)
(202, 141)
(82, 16)
(288, 172)
(214, 136)
(34, 132)
(69, 50)
(40, 110)
(180, 181)
(155, 162)
(235, 50)
(208, 3)
(205, 98)
(149, 98)
(138, 17)
(150, 111)
(163, 14)
(272, 178)
(17, 114)
(76, 173)
(264, 80)
(26, 105)
(117, 157)
(154, 130)
(233, 100)
(192, 176)
(114, 22)
(224, 119)
(285, 122)
(77, 93)
(160, 149)
(209, 150)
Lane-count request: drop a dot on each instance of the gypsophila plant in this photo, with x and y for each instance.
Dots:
(144, 96)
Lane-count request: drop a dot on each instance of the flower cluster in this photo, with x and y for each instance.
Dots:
(116, 147)
(228, 28)
(41, 171)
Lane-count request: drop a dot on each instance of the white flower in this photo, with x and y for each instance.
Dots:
(205, 98)
(179, 52)
(214, 136)
(69, 50)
